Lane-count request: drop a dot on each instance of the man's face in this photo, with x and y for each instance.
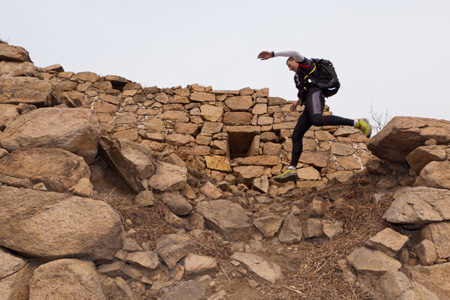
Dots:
(292, 65)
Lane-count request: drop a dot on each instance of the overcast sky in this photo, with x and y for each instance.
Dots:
(392, 56)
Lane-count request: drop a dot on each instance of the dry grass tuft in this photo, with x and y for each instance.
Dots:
(148, 223)
(316, 273)
(208, 244)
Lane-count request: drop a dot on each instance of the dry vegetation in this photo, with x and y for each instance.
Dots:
(315, 273)
(311, 268)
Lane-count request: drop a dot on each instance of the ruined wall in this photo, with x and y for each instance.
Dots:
(243, 132)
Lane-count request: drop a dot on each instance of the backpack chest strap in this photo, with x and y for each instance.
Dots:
(307, 75)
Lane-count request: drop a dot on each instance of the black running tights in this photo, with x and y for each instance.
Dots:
(312, 115)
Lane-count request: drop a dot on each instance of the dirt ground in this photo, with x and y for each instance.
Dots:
(310, 268)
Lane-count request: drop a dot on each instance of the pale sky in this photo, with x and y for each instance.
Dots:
(392, 56)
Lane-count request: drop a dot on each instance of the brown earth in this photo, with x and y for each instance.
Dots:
(310, 268)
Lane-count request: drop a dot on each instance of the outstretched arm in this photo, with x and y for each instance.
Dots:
(269, 54)
(265, 55)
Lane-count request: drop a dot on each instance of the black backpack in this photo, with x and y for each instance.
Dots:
(324, 77)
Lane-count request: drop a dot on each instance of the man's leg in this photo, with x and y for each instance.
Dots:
(317, 102)
(302, 126)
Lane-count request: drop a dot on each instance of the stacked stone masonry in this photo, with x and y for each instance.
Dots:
(245, 133)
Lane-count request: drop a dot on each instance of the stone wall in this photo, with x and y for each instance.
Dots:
(243, 134)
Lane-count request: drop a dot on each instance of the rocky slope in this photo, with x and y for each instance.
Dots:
(114, 191)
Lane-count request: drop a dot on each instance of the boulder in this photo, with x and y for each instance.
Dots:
(197, 265)
(402, 135)
(246, 174)
(395, 285)
(116, 288)
(422, 156)
(130, 245)
(168, 177)
(268, 225)
(125, 271)
(261, 184)
(172, 248)
(53, 68)
(85, 76)
(291, 231)
(51, 225)
(144, 198)
(313, 228)
(426, 252)
(389, 241)
(59, 170)
(378, 167)
(16, 69)
(73, 129)
(435, 174)
(191, 290)
(225, 217)
(332, 229)
(133, 162)
(8, 112)
(259, 266)
(317, 207)
(375, 262)
(419, 205)
(177, 203)
(434, 278)
(15, 285)
(13, 53)
(68, 279)
(29, 90)
(10, 264)
(144, 259)
(418, 292)
(211, 191)
(439, 235)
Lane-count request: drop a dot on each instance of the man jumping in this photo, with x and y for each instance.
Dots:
(311, 94)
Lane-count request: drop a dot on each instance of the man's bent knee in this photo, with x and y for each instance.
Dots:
(317, 120)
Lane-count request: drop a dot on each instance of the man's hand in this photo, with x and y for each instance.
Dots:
(265, 55)
(294, 106)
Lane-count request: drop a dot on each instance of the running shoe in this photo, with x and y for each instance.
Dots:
(364, 126)
(288, 175)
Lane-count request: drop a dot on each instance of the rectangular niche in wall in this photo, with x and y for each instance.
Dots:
(243, 144)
